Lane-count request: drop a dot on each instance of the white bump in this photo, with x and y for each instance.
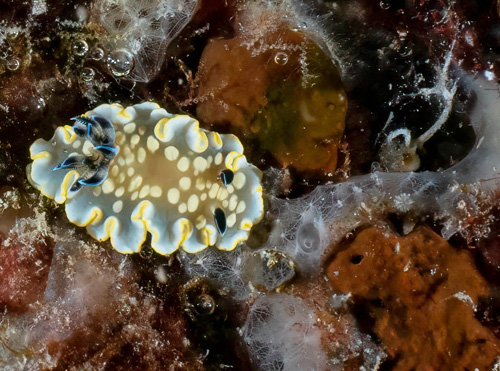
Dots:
(141, 155)
(213, 190)
(200, 184)
(241, 207)
(200, 163)
(135, 183)
(134, 140)
(119, 192)
(87, 147)
(77, 143)
(203, 196)
(130, 171)
(142, 130)
(127, 151)
(200, 222)
(171, 153)
(209, 160)
(182, 208)
(134, 196)
(118, 206)
(153, 144)
(218, 158)
(97, 191)
(121, 161)
(108, 186)
(230, 188)
(156, 191)
(233, 202)
(144, 191)
(119, 138)
(231, 220)
(173, 195)
(239, 180)
(114, 170)
(121, 178)
(192, 203)
(222, 194)
(129, 128)
(129, 159)
(183, 164)
(185, 183)
(225, 203)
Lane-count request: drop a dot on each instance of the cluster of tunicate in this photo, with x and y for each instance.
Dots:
(139, 33)
(123, 172)
(225, 269)
(280, 334)
(454, 196)
(242, 270)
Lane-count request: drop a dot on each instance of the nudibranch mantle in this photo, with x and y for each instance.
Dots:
(165, 179)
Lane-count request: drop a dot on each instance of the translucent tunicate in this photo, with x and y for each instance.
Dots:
(306, 242)
(308, 238)
(120, 62)
(80, 47)
(96, 54)
(270, 269)
(144, 29)
(280, 335)
(87, 74)
(13, 64)
(281, 58)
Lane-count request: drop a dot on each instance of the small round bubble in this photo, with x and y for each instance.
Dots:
(80, 48)
(120, 62)
(385, 5)
(205, 304)
(281, 58)
(13, 64)
(87, 74)
(301, 26)
(96, 54)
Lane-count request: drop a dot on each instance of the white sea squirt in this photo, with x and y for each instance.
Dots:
(156, 172)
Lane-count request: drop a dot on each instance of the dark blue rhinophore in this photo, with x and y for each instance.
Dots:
(220, 221)
(107, 151)
(72, 161)
(98, 129)
(226, 176)
(101, 133)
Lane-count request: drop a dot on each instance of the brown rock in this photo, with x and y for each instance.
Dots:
(225, 96)
(421, 294)
(281, 90)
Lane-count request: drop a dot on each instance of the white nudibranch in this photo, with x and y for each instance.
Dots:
(187, 186)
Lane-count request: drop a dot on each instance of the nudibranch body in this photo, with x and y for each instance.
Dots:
(187, 186)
